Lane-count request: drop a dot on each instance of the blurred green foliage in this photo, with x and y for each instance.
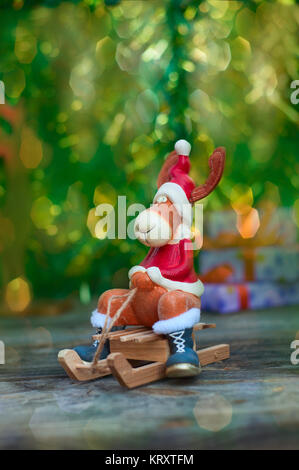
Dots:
(96, 96)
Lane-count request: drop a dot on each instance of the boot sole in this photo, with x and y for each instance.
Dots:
(182, 370)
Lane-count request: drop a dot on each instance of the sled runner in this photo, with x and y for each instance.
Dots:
(135, 344)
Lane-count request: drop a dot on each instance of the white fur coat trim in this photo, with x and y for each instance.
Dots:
(97, 319)
(185, 320)
(154, 273)
(136, 269)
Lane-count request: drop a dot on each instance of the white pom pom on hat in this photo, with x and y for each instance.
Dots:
(182, 147)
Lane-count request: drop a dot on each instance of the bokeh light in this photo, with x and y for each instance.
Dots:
(17, 294)
(213, 412)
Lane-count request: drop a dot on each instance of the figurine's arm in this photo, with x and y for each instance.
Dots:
(142, 281)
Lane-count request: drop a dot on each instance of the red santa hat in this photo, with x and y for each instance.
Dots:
(178, 189)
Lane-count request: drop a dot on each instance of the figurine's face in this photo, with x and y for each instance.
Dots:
(156, 226)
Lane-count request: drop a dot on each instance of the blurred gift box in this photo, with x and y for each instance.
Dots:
(267, 263)
(249, 260)
(225, 298)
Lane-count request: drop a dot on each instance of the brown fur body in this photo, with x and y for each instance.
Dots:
(150, 304)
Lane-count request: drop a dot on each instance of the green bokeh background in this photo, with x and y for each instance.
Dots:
(102, 92)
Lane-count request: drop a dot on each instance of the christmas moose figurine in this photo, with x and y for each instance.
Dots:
(163, 300)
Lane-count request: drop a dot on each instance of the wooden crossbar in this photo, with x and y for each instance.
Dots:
(145, 335)
(140, 337)
(203, 326)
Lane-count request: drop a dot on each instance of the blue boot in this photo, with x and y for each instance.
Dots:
(87, 353)
(183, 360)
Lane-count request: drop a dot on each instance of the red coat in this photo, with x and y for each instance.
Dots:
(174, 261)
(171, 266)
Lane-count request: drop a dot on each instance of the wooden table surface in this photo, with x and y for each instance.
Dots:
(250, 401)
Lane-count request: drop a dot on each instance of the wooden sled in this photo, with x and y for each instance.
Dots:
(135, 344)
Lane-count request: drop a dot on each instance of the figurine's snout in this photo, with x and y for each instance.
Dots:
(152, 229)
(145, 222)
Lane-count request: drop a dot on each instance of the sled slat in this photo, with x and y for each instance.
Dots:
(127, 331)
(146, 338)
(131, 334)
(213, 354)
(91, 372)
(203, 326)
(134, 377)
(135, 336)
(80, 370)
(121, 333)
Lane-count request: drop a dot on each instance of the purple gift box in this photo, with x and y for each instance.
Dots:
(228, 298)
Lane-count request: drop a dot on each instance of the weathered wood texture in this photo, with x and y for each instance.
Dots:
(250, 401)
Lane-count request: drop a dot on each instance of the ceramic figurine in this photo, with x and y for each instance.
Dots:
(164, 288)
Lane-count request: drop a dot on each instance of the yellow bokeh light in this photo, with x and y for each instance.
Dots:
(113, 132)
(41, 212)
(86, 145)
(105, 51)
(241, 53)
(52, 230)
(190, 13)
(25, 45)
(81, 79)
(62, 117)
(31, 151)
(15, 82)
(77, 105)
(104, 194)
(17, 294)
(219, 9)
(55, 210)
(188, 66)
(46, 47)
(241, 198)
(142, 150)
(74, 236)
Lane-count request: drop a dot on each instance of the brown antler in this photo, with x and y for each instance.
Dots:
(216, 164)
(164, 176)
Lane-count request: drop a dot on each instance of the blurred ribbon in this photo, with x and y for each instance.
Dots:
(217, 275)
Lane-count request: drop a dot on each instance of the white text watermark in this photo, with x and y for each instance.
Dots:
(2, 92)
(295, 354)
(295, 94)
(2, 353)
(171, 222)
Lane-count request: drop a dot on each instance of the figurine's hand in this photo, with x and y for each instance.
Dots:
(141, 280)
